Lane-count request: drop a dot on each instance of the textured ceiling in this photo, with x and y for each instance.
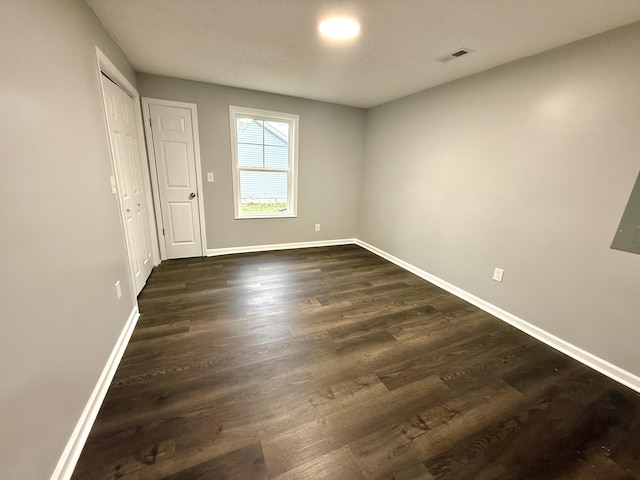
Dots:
(273, 45)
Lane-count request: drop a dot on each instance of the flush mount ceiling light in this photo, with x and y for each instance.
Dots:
(339, 28)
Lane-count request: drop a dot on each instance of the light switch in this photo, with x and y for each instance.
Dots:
(497, 274)
(209, 176)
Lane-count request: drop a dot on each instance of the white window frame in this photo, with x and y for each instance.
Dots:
(236, 112)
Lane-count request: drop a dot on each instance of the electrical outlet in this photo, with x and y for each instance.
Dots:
(497, 274)
(210, 177)
(118, 290)
(317, 227)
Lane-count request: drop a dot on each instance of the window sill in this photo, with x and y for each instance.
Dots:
(253, 217)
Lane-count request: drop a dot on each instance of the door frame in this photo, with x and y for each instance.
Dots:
(155, 187)
(106, 66)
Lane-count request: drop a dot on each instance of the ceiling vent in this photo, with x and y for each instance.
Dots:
(453, 55)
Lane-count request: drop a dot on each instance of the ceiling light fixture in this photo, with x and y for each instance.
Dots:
(339, 28)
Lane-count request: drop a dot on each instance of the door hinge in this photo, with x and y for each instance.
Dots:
(163, 232)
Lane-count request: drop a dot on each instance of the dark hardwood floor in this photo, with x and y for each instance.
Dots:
(332, 363)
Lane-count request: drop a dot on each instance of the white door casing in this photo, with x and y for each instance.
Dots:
(129, 170)
(173, 140)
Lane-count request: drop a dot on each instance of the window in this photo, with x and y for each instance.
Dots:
(264, 152)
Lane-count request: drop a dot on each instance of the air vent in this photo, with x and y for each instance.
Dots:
(453, 55)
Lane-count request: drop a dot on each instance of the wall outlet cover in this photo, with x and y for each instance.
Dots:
(497, 274)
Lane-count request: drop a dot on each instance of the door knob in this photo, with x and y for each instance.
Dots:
(192, 196)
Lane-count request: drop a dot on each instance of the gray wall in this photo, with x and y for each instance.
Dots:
(527, 167)
(331, 154)
(61, 237)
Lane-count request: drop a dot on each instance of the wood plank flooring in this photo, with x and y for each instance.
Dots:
(332, 363)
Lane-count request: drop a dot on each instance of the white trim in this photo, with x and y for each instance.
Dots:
(146, 102)
(105, 65)
(196, 148)
(213, 252)
(76, 442)
(606, 368)
(108, 67)
(292, 172)
(154, 177)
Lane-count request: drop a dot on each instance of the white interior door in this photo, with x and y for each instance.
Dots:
(174, 149)
(128, 164)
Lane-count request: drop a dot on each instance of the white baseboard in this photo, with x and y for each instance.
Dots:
(76, 442)
(212, 252)
(610, 370)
